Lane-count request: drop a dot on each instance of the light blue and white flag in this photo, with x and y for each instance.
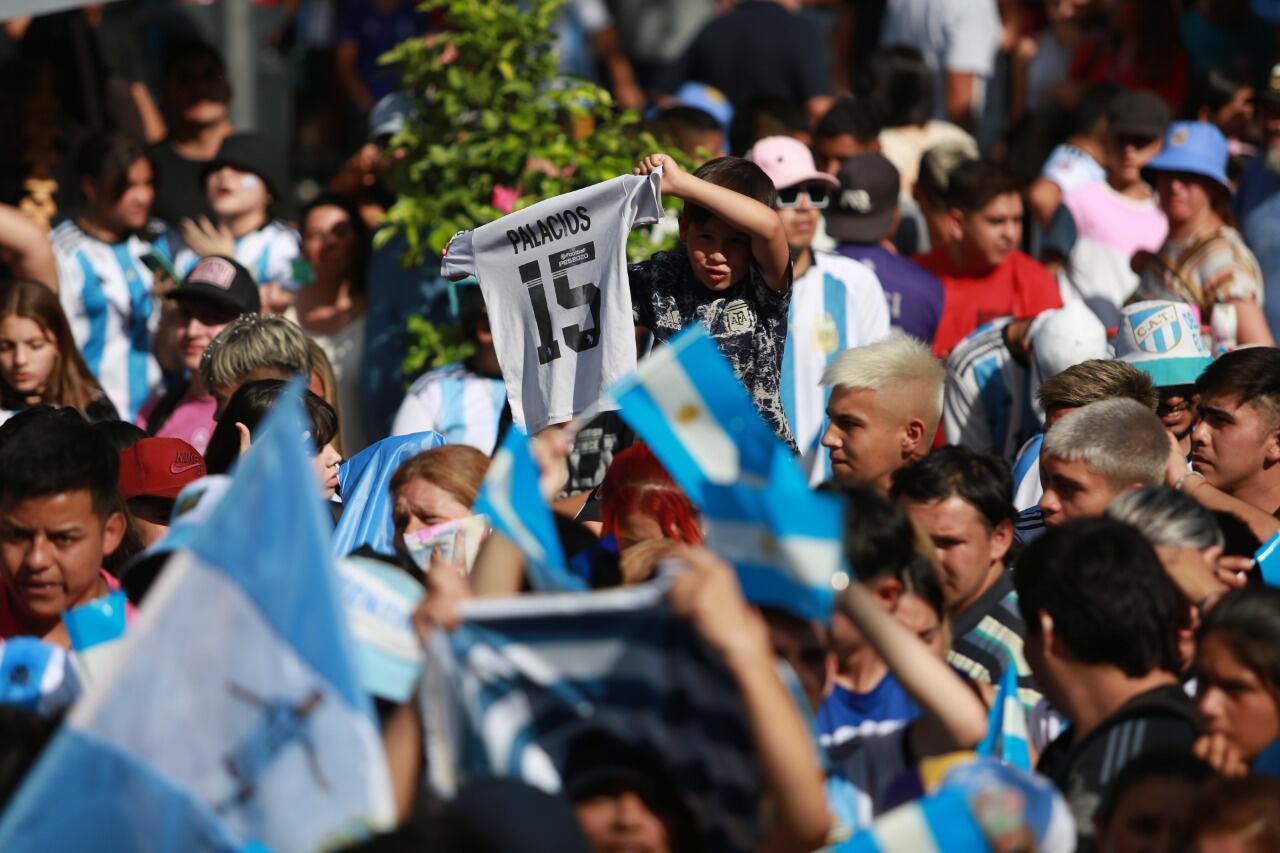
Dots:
(785, 543)
(380, 599)
(1007, 724)
(686, 403)
(525, 679)
(236, 714)
(1267, 559)
(364, 483)
(511, 497)
(97, 629)
(973, 794)
(941, 823)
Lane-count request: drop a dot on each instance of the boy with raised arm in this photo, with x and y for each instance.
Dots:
(732, 272)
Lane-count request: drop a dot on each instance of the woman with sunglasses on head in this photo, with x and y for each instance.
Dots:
(836, 302)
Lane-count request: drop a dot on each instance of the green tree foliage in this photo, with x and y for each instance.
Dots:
(491, 113)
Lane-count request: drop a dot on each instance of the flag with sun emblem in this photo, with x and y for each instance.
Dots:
(686, 403)
(784, 539)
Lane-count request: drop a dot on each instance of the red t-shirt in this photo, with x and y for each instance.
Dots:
(1019, 287)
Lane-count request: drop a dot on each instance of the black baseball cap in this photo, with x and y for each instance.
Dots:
(1135, 113)
(222, 281)
(249, 152)
(867, 201)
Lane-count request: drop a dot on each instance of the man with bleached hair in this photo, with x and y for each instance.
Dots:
(1096, 452)
(883, 412)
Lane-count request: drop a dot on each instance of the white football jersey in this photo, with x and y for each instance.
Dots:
(836, 305)
(554, 279)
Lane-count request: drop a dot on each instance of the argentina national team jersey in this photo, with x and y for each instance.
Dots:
(268, 253)
(458, 403)
(986, 405)
(836, 305)
(106, 294)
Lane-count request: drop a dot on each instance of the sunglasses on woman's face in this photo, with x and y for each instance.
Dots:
(818, 196)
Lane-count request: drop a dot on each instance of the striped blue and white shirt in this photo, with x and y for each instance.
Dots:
(268, 253)
(1027, 490)
(987, 402)
(456, 402)
(836, 305)
(106, 294)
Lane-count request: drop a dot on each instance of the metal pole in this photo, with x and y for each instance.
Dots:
(239, 47)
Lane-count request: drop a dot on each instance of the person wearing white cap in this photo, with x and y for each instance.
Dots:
(1204, 261)
(989, 403)
(836, 302)
(1163, 340)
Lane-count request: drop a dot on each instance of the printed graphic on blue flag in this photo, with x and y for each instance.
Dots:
(236, 714)
(785, 544)
(524, 680)
(941, 823)
(1267, 559)
(512, 499)
(686, 403)
(1007, 737)
(36, 675)
(363, 483)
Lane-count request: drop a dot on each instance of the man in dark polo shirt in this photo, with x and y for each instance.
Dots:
(1101, 619)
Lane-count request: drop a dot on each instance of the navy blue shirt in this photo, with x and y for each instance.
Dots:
(914, 293)
(845, 714)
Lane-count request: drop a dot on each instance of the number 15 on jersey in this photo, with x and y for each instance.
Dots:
(568, 297)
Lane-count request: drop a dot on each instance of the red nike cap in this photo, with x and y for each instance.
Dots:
(158, 468)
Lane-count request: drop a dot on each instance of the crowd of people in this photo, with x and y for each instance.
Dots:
(1001, 276)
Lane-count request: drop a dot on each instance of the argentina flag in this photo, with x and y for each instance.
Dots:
(785, 544)
(1007, 724)
(364, 483)
(524, 680)
(511, 498)
(234, 714)
(784, 540)
(686, 403)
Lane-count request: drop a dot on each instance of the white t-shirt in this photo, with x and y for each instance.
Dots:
(985, 403)
(961, 36)
(554, 279)
(1070, 168)
(456, 402)
(836, 305)
(105, 291)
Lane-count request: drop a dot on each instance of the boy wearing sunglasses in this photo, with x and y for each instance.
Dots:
(836, 303)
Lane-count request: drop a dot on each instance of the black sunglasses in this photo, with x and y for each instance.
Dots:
(819, 196)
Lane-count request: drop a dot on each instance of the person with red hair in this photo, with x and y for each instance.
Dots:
(641, 502)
